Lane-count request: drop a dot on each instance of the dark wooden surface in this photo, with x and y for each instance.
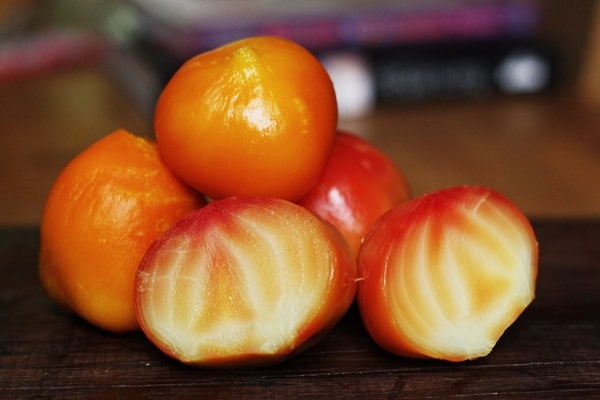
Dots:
(551, 352)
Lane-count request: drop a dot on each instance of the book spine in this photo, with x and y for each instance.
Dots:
(375, 26)
(363, 80)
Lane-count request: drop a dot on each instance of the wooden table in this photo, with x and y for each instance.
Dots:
(551, 352)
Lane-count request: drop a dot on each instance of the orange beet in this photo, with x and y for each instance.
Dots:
(255, 117)
(102, 213)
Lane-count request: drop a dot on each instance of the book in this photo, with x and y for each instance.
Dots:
(456, 70)
(371, 76)
(183, 28)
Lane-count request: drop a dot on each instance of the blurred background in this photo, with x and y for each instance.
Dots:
(502, 93)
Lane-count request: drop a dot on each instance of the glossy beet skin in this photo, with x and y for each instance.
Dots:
(104, 210)
(244, 281)
(358, 184)
(445, 274)
(254, 117)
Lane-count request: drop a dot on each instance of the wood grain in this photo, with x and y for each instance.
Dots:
(551, 352)
(543, 152)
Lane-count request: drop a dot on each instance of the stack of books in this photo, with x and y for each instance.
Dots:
(376, 51)
(186, 27)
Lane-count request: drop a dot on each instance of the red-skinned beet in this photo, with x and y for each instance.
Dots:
(357, 185)
(445, 274)
(244, 281)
